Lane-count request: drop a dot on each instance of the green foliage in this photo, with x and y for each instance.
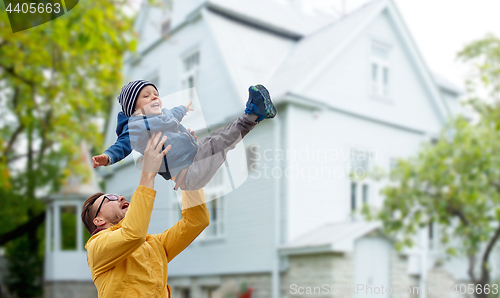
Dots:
(25, 268)
(456, 181)
(56, 81)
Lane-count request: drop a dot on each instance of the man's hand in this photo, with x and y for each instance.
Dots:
(153, 157)
(188, 106)
(100, 160)
(153, 154)
(192, 133)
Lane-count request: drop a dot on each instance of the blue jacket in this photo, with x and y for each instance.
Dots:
(133, 133)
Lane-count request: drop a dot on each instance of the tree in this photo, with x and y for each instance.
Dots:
(455, 183)
(56, 81)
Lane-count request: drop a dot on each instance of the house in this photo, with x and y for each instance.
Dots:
(352, 93)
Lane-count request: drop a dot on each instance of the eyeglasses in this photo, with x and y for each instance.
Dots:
(110, 198)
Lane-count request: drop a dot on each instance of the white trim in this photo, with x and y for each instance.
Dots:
(79, 229)
(56, 227)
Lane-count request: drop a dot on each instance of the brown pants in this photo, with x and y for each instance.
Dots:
(212, 153)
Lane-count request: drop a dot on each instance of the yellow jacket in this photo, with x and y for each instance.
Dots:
(126, 261)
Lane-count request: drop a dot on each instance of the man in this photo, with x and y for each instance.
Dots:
(124, 260)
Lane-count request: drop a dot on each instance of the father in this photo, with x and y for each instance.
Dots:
(124, 260)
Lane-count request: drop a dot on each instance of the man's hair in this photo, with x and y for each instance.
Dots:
(87, 217)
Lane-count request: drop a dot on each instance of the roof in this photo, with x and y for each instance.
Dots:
(296, 62)
(247, 61)
(273, 15)
(447, 85)
(311, 51)
(332, 237)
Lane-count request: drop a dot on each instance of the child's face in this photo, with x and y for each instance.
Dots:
(149, 101)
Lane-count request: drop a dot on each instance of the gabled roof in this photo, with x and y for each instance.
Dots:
(307, 58)
(315, 53)
(247, 61)
(445, 84)
(333, 237)
(310, 54)
(273, 15)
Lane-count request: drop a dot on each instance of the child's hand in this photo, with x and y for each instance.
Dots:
(99, 160)
(188, 106)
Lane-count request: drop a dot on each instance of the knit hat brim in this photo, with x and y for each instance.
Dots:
(129, 94)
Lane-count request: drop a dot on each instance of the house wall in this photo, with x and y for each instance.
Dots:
(441, 284)
(399, 276)
(73, 289)
(225, 284)
(317, 169)
(333, 275)
(352, 118)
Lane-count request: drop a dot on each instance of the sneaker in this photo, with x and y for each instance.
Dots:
(259, 103)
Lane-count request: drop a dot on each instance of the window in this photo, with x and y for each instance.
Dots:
(432, 244)
(215, 203)
(211, 292)
(252, 157)
(360, 160)
(68, 225)
(353, 195)
(185, 293)
(365, 193)
(393, 164)
(359, 188)
(380, 71)
(190, 65)
(216, 227)
(165, 28)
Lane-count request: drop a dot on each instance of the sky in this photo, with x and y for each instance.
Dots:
(440, 28)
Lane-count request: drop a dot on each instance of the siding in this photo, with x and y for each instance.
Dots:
(324, 196)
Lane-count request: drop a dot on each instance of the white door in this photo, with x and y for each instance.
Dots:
(371, 267)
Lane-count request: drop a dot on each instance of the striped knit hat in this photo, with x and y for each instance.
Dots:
(129, 94)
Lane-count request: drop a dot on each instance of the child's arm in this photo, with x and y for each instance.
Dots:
(181, 111)
(116, 152)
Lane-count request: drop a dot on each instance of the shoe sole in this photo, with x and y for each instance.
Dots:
(269, 106)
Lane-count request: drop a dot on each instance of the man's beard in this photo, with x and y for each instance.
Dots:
(116, 219)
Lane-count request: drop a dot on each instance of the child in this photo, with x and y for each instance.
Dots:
(189, 165)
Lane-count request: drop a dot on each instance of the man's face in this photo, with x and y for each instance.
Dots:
(111, 211)
(149, 101)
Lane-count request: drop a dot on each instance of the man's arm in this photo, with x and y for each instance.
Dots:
(194, 220)
(113, 247)
(110, 248)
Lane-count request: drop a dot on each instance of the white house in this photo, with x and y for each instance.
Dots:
(352, 93)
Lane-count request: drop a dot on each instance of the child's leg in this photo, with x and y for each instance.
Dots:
(212, 150)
